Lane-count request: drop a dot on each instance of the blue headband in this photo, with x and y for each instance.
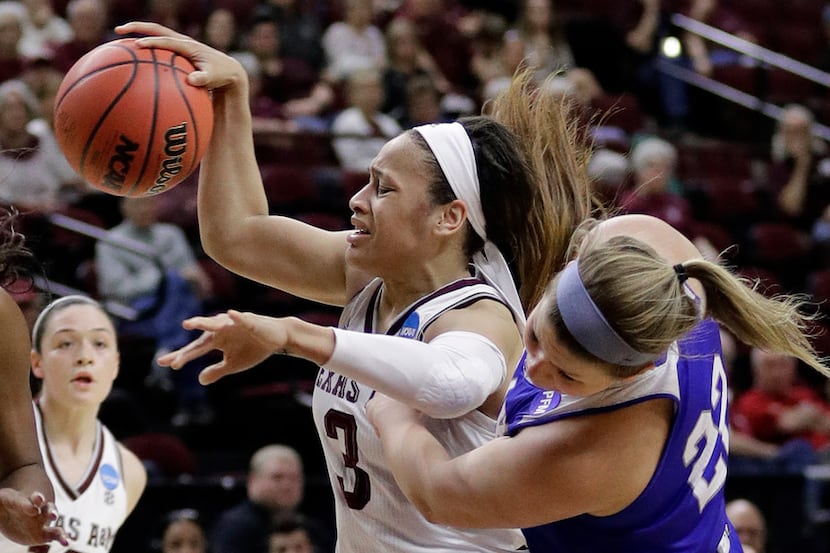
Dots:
(588, 325)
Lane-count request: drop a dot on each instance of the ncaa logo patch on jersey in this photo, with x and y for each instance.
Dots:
(409, 329)
(109, 476)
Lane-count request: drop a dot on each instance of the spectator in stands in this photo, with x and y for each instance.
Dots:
(221, 30)
(704, 58)
(11, 33)
(361, 130)
(300, 33)
(423, 103)
(747, 454)
(268, 115)
(489, 62)
(287, 80)
(436, 23)
(641, 31)
(89, 20)
(289, 534)
(275, 488)
(655, 189)
(639, 26)
(779, 409)
(407, 59)
(165, 285)
(33, 171)
(43, 29)
(609, 171)
(186, 16)
(799, 178)
(749, 523)
(44, 81)
(540, 39)
(353, 43)
(800, 169)
(683, 108)
(183, 532)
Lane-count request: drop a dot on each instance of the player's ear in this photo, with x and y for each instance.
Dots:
(34, 360)
(453, 217)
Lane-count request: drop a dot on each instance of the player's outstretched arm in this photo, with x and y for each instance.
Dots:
(236, 228)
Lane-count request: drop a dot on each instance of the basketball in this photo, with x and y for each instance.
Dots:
(127, 120)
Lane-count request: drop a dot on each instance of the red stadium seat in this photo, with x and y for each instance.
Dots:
(353, 181)
(785, 87)
(821, 338)
(716, 160)
(223, 282)
(781, 248)
(289, 187)
(739, 77)
(726, 200)
(717, 235)
(775, 242)
(621, 111)
(327, 221)
(766, 281)
(818, 285)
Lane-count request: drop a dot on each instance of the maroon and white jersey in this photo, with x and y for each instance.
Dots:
(91, 510)
(372, 512)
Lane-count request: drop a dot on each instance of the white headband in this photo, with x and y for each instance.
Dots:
(56, 304)
(451, 146)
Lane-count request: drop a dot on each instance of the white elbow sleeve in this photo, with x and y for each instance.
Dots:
(445, 378)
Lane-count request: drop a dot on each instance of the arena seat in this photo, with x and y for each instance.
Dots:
(781, 248)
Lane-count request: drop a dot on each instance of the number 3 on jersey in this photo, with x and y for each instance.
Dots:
(339, 423)
(701, 445)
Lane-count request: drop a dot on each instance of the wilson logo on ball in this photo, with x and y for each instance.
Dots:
(175, 146)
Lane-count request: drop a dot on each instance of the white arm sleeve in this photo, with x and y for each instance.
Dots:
(445, 378)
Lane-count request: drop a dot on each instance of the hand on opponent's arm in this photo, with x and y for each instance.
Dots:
(28, 520)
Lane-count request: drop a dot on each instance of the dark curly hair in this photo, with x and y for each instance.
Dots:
(16, 260)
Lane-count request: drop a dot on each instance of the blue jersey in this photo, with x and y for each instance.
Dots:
(682, 509)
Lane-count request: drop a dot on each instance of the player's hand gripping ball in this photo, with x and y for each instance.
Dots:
(127, 120)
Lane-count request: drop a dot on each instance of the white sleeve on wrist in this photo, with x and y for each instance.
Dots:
(445, 378)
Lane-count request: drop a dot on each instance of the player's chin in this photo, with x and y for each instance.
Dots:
(357, 257)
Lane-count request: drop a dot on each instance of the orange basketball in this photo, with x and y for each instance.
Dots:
(128, 121)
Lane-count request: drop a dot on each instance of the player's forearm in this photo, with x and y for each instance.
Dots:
(230, 183)
(412, 453)
(28, 479)
(309, 341)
